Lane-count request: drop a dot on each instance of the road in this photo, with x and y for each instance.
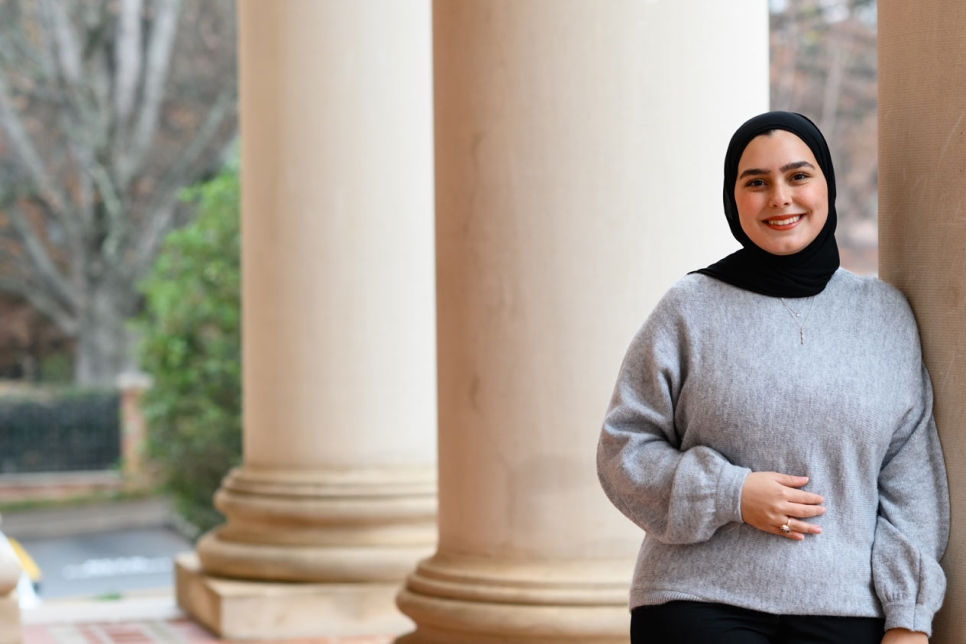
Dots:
(101, 550)
(106, 564)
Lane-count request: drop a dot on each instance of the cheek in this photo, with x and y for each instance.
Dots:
(748, 207)
(819, 206)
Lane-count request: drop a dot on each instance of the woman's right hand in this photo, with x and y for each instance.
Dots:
(770, 500)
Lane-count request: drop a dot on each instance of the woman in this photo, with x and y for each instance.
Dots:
(771, 430)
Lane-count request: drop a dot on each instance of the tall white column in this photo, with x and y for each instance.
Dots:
(579, 155)
(338, 485)
(922, 228)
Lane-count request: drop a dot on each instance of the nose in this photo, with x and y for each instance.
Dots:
(780, 196)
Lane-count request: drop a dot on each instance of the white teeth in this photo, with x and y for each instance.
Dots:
(783, 222)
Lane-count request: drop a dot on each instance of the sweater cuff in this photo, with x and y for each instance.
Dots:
(728, 495)
(910, 616)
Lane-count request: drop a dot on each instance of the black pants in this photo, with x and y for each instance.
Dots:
(700, 623)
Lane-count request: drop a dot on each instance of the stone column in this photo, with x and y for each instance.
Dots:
(10, 630)
(337, 488)
(922, 227)
(579, 153)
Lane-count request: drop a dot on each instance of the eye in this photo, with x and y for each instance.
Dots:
(800, 176)
(755, 183)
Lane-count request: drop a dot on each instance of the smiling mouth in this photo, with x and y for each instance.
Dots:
(783, 223)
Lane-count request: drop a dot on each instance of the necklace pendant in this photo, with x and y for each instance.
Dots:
(803, 336)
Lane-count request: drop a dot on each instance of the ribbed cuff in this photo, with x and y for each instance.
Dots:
(911, 616)
(728, 495)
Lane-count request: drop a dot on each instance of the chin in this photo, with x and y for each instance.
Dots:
(786, 246)
(782, 252)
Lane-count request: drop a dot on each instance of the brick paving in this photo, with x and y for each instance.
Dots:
(176, 631)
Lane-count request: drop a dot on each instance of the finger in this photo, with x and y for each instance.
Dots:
(790, 480)
(803, 527)
(807, 498)
(797, 510)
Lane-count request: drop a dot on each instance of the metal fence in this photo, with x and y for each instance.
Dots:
(61, 434)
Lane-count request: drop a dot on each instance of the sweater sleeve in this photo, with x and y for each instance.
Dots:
(912, 526)
(676, 497)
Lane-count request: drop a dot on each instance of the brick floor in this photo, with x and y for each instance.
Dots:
(157, 632)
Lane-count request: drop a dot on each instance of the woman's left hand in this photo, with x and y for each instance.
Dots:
(904, 636)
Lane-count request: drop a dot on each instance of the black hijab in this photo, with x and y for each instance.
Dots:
(804, 273)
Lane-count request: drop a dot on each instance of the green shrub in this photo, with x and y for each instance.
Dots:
(57, 368)
(191, 347)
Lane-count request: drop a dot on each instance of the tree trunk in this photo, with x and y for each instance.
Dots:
(102, 338)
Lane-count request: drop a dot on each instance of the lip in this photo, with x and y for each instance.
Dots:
(801, 217)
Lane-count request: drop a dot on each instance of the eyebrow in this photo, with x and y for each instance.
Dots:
(785, 168)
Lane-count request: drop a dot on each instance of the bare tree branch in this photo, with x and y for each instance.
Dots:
(67, 322)
(161, 219)
(22, 284)
(127, 59)
(40, 259)
(67, 50)
(151, 235)
(833, 81)
(113, 206)
(24, 148)
(160, 46)
(42, 54)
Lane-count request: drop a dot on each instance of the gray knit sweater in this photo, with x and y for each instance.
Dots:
(717, 384)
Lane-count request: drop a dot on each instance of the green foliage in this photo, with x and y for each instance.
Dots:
(191, 347)
(57, 368)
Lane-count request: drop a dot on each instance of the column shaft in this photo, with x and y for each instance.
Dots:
(578, 175)
(922, 229)
(338, 478)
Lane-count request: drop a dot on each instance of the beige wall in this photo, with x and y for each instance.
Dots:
(922, 226)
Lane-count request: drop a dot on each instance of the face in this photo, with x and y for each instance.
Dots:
(781, 193)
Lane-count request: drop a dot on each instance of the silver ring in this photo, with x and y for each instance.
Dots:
(785, 528)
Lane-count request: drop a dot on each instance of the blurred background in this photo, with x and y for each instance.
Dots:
(120, 379)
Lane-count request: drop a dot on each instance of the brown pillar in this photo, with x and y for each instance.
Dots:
(922, 227)
(579, 147)
(337, 490)
(131, 387)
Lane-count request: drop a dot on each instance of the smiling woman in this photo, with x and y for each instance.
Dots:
(728, 434)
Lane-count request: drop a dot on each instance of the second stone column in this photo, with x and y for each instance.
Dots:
(579, 151)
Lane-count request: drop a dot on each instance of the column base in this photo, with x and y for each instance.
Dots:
(10, 632)
(325, 525)
(245, 610)
(444, 621)
(458, 600)
(309, 564)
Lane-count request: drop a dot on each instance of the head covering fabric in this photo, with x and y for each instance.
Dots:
(801, 274)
